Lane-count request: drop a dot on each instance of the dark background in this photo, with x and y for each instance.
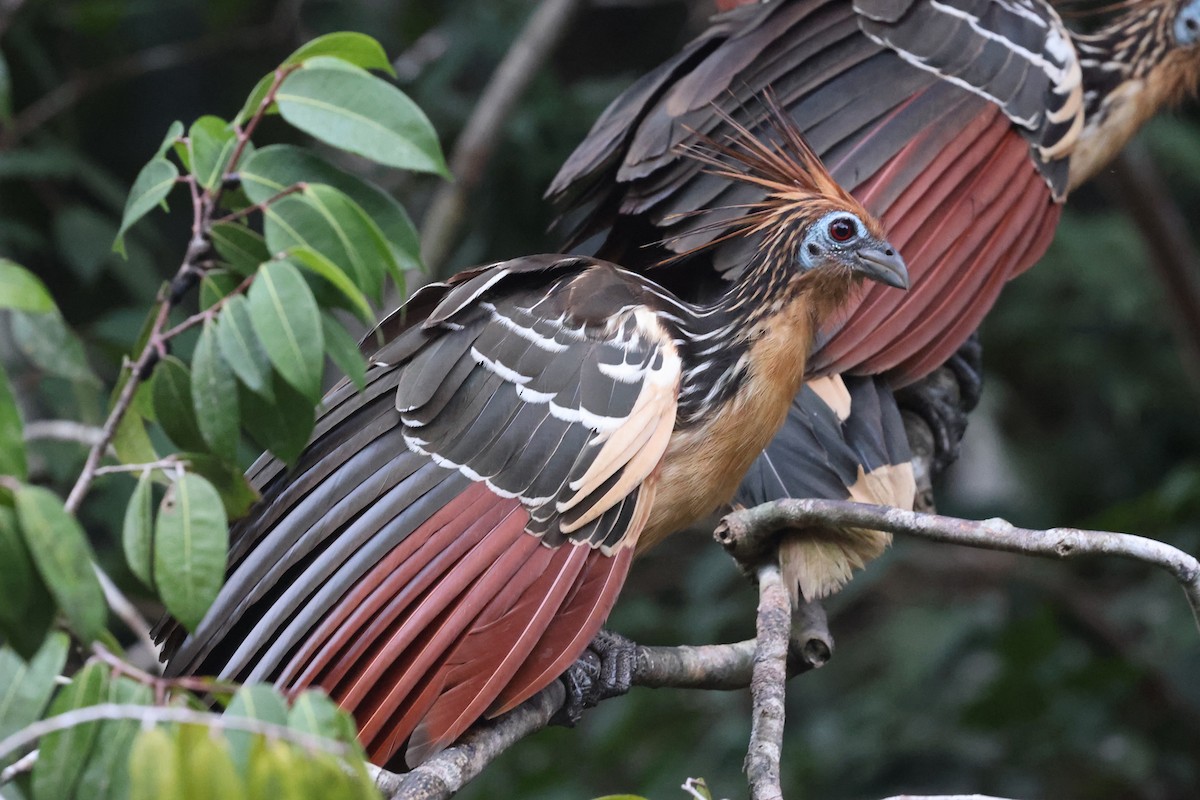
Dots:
(957, 671)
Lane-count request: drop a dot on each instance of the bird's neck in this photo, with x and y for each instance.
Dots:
(759, 330)
(1131, 69)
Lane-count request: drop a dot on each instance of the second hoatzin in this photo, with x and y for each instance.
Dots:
(962, 124)
(455, 535)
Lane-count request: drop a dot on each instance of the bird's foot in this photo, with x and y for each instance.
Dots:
(944, 398)
(604, 670)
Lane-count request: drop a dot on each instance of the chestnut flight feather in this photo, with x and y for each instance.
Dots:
(456, 534)
(961, 124)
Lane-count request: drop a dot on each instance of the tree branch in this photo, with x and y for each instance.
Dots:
(767, 687)
(749, 533)
(475, 144)
(151, 715)
(715, 667)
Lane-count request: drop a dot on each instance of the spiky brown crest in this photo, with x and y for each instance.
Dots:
(779, 161)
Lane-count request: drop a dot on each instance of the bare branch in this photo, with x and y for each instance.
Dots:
(714, 667)
(153, 715)
(749, 533)
(475, 144)
(19, 767)
(767, 688)
(63, 430)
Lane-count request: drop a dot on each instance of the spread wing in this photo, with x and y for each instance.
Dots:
(957, 143)
(455, 535)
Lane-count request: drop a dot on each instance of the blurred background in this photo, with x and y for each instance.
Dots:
(957, 671)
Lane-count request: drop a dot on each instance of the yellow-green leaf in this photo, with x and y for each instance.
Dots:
(190, 543)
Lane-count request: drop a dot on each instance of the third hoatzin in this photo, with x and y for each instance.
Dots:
(455, 535)
(962, 124)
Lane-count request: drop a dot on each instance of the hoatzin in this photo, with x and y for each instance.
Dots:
(962, 124)
(455, 535)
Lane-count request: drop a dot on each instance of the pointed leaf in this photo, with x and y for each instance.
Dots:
(211, 140)
(319, 265)
(258, 701)
(214, 395)
(12, 436)
(26, 607)
(238, 246)
(344, 351)
(190, 543)
(26, 687)
(286, 318)
(21, 290)
(137, 532)
(215, 285)
(46, 340)
(174, 131)
(237, 495)
(282, 426)
(355, 48)
(154, 767)
(63, 754)
(173, 407)
(242, 349)
(279, 166)
(63, 558)
(106, 776)
(357, 112)
(150, 188)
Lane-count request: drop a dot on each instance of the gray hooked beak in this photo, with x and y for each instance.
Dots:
(883, 264)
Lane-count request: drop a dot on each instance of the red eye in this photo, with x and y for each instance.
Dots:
(842, 230)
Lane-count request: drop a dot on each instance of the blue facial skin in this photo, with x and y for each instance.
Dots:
(1187, 24)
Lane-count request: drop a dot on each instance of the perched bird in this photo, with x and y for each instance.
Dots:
(456, 534)
(962, 124)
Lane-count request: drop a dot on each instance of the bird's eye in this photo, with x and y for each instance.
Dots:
(842, 230)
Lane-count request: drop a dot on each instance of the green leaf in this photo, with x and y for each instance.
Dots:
(328, 222)
(62, 754)
(286, 318)
(154, 767)
(313, 712)
(63, 558)
(272, 169)
(356, 48)
(239, 247)
(321, 266)
(237, 495)
(206, 767)
(25, 688)
(26, 607)
(131, 441)
(137, 532)
(150, 188)
(106, 775)
(359, 113)
(214, 395)
(258, 701)
(190, 543)
(172, 389)
(353, 48)
(46, 341)
(5, 91)
(215, 285)
(12, 432)
(173, 133)
(344, 351)
(21, 290)
(283, 427)
(211, 141)
(242, 349)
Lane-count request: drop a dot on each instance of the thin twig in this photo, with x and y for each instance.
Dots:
(162, 463)
(750, 531)
(715, 667)
(153, 715)
(473, 150)
(19, 767)
(767, 687)
(63, 430)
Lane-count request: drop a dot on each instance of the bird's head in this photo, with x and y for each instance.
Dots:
(806, 224)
